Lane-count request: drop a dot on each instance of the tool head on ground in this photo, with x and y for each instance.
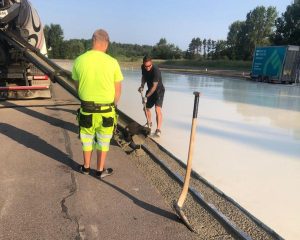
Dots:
(133, 129)
(182, 216)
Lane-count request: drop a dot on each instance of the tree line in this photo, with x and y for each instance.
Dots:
(261, 27)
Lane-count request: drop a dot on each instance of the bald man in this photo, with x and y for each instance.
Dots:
(97, 78)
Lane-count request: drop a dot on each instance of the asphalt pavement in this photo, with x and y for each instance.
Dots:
(44, 196)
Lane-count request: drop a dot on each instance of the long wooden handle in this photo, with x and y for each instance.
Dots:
(190, 153)
(145, 110)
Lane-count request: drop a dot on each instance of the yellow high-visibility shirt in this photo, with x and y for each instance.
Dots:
(97, 73)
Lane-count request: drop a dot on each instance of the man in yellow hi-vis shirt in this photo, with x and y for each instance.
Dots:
(98, 80)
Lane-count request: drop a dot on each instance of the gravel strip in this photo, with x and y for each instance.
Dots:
(241, 219)
(201, 220)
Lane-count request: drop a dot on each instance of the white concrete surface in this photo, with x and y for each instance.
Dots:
(248, 141)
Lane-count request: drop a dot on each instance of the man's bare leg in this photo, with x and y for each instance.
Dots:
(101, 157)
(148, 115)
(87, 158)
(158, 117)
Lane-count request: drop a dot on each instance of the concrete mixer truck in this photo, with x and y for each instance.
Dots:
(19, 77)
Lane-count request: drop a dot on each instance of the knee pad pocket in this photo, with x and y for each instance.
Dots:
(85, 121)
(107, 121)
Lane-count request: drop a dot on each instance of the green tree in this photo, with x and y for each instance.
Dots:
(163, 50)
(209, 47)
(204, 42)
(244, 36)
(194, 49)
(235, 38)
(213, 46)
(132, 51)
(260, 24)
(233, 35)
(72, 48)
(288, 26)
(191, 52)
(54, 37)
(198, 43)
(87, 43)
(221, 50)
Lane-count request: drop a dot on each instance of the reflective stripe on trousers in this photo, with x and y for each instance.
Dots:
(98, 136)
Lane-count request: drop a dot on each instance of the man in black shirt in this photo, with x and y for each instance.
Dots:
(155, 93)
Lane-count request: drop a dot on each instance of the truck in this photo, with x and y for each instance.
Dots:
(19, 77)
(276, 64)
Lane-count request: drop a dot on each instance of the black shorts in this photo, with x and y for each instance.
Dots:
(156, 99)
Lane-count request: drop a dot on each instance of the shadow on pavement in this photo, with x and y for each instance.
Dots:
(37, 144)
(51, 120)
(63, 109)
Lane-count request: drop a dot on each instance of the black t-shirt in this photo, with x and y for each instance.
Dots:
(154, 75)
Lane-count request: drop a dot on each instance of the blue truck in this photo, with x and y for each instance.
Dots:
(276, 64)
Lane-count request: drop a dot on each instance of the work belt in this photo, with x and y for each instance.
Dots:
(92, 107)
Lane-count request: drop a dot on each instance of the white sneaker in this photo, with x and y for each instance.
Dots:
(157, 133)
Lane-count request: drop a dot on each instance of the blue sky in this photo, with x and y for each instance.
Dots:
(145, 22)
